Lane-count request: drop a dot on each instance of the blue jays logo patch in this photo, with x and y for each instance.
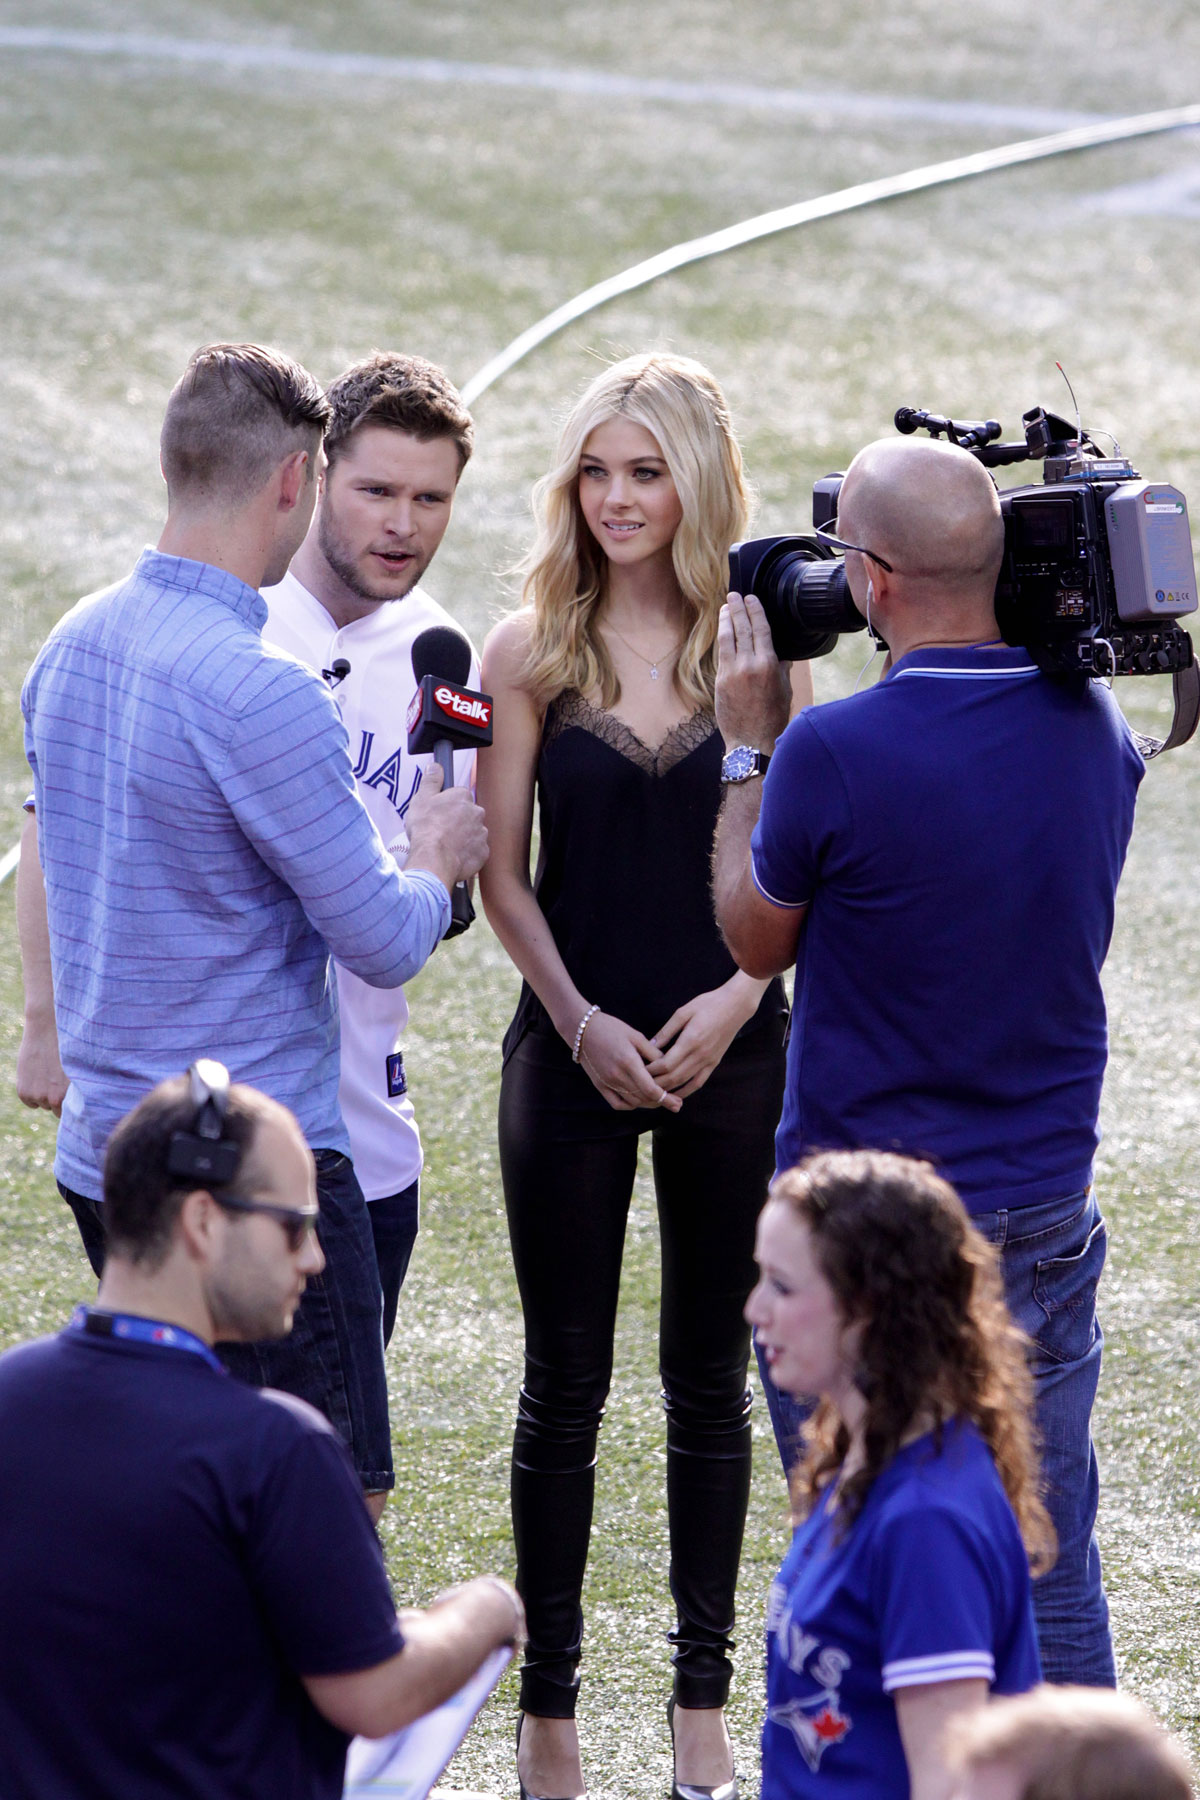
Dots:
(815, 1724)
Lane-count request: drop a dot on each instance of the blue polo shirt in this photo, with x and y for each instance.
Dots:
(177, 1551)
(204, 850)
(930, 1584)
(956, 833)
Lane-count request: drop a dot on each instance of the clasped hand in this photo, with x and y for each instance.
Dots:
(633, 1071)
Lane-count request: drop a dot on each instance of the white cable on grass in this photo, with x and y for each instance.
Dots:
(786, 218)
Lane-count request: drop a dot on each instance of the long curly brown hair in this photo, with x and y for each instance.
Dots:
(895, 1244)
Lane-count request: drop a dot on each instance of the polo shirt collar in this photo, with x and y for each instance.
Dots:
(203, 578)
(968, 659)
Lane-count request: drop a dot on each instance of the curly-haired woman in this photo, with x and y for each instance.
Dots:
(632, 1019)
(905, 1596)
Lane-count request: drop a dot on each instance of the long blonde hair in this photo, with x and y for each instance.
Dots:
(680, 404)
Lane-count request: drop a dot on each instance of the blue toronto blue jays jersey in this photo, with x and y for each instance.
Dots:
(930, 1584)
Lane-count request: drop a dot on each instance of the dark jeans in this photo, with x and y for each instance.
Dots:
(568, 1162)
(89, 1216)
(333, 1356)
(1053, 1257)
(394, 1222)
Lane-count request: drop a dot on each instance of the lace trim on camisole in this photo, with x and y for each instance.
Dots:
(571, 708)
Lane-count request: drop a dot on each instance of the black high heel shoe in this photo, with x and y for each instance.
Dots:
(525, 1794)
(694, 1790)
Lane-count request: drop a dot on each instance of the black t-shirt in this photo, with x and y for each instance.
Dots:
(176, 1550)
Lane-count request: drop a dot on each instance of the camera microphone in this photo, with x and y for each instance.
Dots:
(445, 715)
(338, 672)
(968, 434)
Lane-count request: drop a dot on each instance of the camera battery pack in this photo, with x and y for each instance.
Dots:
(1150, 548)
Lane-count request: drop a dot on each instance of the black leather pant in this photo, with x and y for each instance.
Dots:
(568, 1162)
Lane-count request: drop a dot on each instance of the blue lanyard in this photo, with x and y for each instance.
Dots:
(92, 1323)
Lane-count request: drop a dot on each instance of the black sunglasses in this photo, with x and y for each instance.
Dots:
(827, 536)
(295, 1223)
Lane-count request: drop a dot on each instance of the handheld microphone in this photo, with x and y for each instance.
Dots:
(445, 715)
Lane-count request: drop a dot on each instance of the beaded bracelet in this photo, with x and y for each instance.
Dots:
(582, 1026)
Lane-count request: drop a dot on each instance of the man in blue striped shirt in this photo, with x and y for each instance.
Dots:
(205, 851)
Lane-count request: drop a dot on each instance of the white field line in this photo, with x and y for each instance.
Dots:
(590, 83)
(787, 218)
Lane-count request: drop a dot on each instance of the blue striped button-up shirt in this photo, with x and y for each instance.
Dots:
(204, 851)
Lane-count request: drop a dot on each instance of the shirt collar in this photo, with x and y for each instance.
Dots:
(994, 657)
(203, 578)
(384, 621)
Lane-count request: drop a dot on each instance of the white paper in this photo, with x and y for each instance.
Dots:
(405, 1765)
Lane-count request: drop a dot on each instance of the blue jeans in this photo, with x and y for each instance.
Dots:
(394, 1222)
(1053, 1257)
(333, 1356)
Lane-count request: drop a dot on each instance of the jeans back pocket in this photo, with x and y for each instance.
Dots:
(1064, 1288)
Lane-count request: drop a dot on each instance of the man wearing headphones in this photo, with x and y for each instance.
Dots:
(194, 1600)
(939, 856)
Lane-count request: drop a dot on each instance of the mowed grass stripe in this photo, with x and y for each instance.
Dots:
(594, 84)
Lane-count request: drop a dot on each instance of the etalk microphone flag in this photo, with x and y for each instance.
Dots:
(443, 709)
(445, 716)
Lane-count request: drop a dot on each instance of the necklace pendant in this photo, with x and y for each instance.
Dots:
(654, 671)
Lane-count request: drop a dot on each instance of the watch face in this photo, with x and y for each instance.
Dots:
(739, 764)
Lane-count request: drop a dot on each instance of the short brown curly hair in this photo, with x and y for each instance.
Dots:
(894, 1242)
(406, 393)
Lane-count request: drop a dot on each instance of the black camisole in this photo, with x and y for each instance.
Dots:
(624, 866)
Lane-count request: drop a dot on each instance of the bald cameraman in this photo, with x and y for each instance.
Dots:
(192, 1599)
(940, 855)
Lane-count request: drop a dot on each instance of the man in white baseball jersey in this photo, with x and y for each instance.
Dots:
(350, 607)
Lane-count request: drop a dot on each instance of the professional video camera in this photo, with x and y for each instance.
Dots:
(1097, 563)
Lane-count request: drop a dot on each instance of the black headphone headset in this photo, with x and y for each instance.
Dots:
(203, 1154)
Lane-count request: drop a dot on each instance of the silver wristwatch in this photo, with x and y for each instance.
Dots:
(743, 764)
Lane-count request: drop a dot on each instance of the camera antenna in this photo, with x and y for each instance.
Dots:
(1075, 404)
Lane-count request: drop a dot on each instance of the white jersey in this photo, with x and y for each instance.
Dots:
(373, 697)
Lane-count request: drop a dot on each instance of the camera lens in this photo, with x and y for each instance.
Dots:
(803, 591)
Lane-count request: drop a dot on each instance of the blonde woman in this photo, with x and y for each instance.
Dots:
(632, 1019)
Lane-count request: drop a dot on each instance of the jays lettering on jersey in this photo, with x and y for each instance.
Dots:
(930, 1584)
(374, 697)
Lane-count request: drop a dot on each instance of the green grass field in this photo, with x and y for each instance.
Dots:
(151, 204)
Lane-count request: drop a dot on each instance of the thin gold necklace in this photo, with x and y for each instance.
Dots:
(651, 664)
